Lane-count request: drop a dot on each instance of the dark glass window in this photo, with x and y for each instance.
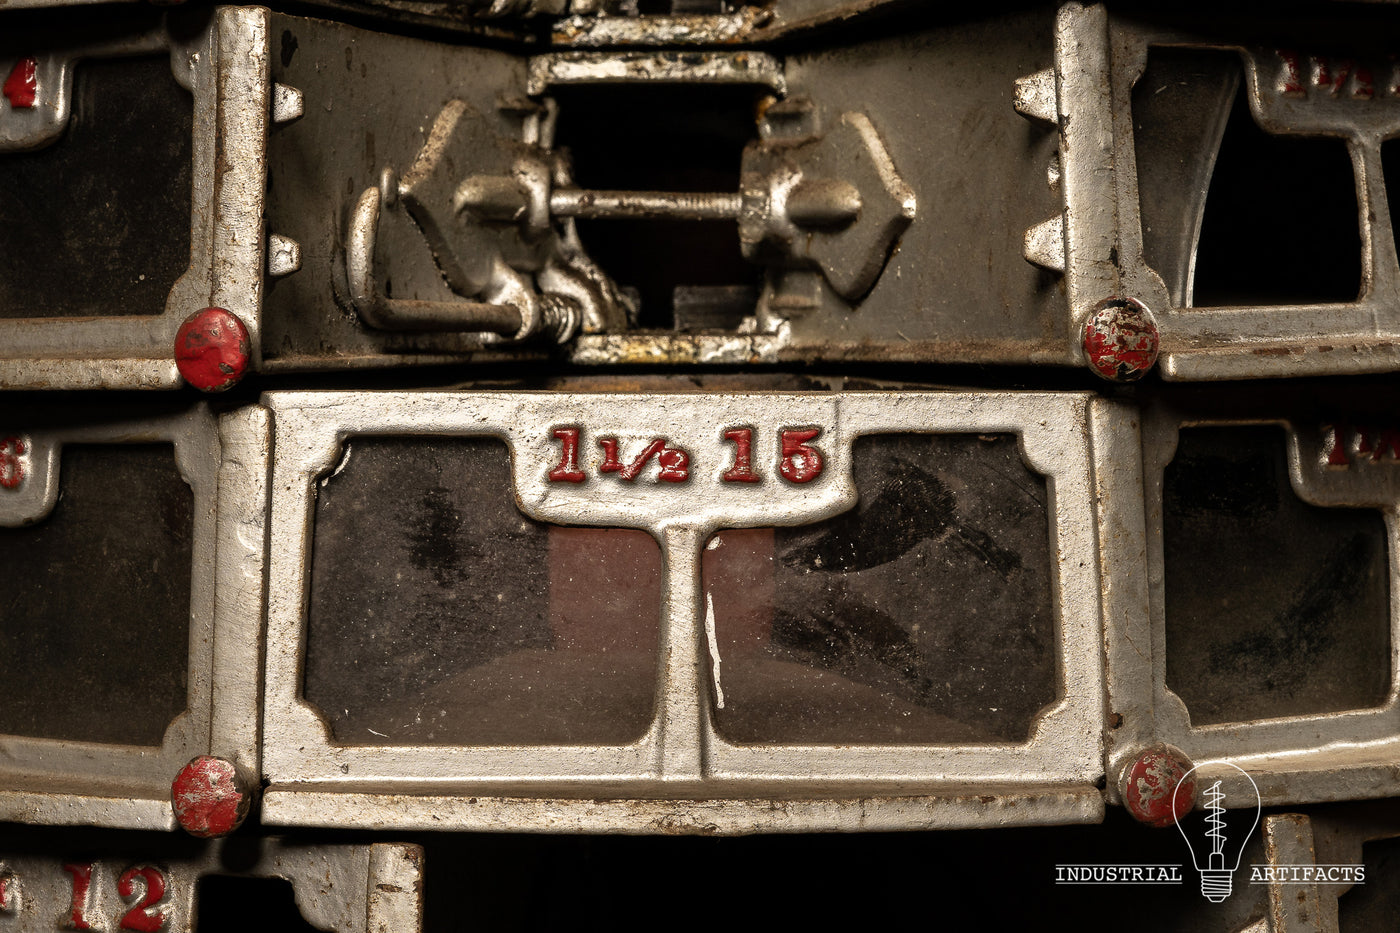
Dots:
(921, 615)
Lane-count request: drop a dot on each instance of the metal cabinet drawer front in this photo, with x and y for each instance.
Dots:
(132, 176)
(131, 620)
(482, 605)
(1228, 176)
(1270, 600)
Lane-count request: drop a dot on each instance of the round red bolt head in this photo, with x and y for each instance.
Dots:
(209, 796)
(212, 349)
(1150, 786)
(1121, 339)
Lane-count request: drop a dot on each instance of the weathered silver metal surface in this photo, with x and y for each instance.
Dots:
(1295, 908)
(573, 202)
(744, 24)
(530, 282)
(835, 201)
(226, 67)
(956, 76)
(407, 197)
(331, 197)
(599, 23)
(682, 757)
(375, 888)
(224, 460)
(585, 32)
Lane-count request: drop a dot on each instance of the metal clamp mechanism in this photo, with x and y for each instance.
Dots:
(498, 213)
(796, 206)
(520, 283)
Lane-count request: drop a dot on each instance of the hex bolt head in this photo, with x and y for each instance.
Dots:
(210, 797)
(212, 350)
(1120, 339)
(1149, 786)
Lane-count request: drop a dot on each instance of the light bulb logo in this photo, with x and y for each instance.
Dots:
(1216, 852)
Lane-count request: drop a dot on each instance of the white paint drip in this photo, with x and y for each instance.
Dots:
(714, 648)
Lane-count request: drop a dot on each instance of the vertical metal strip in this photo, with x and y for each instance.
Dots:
(1122, 553)
(683, 710)
(240, 575)
(1380, 268)
(1083, 89)
(243, 80)
(394, 901)
(1295, 907)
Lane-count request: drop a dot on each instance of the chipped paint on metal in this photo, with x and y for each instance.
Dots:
(145, 916)
(209, 797)
(1150, 786)
(742, 469)
(713, 642)
(1121, 340)
(81, 873)
(212, 349)
(567, 470)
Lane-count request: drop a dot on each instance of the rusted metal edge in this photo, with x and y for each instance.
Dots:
(557, 68)
(682, 349)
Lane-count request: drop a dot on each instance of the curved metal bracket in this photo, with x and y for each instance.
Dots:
(835, 202)
(378, 310)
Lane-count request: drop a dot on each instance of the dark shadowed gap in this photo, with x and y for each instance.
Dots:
(226, 904)
(661, 138)
(1280, 224)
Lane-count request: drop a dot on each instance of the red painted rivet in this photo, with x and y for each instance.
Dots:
(1149, 786)
(209, 797)
(22, 85)
(212, 349)
(1120, 339)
